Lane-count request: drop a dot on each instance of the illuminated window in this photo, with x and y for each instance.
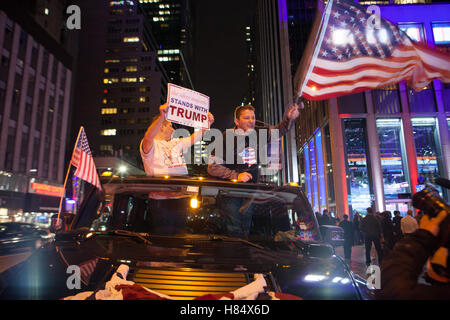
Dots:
(426, 139)
(109, 110)
(106, 70)
(106, 147)
(441, 33)
(393, 157)
(129, 79)
(105, 101)
(356, 151)
(108, 132)
(131, 39)
(413, 30)
(112, 61)
(131, 68)
(46, 11)
(142, 99)
(110, 80)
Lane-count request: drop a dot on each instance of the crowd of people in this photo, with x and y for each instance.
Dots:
(381, 230)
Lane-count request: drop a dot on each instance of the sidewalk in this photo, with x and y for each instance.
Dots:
(358, 263)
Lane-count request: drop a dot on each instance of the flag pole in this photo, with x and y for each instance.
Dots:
(311, 52)
(67, 174)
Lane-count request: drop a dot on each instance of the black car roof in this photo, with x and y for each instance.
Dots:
(172, 180)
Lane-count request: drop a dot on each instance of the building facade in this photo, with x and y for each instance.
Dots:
(171, 24)
(378, 147)
(275, 82)
(119, 82)
(35, 95)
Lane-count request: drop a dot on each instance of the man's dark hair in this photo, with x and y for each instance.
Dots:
(345, 217)
(369, 210)
(240, 109)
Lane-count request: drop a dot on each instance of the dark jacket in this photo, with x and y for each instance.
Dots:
(401, 269)
(371, 226)
(348, 230)
(397, 225)
(218, 166)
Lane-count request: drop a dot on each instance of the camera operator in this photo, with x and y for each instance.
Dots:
(401, 269)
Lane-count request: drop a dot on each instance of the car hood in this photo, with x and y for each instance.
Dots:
(45, 275)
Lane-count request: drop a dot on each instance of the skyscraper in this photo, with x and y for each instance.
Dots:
(120, 82)
(171, 25)
(35, 94)
(275, 78)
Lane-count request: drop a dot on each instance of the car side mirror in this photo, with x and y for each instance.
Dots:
(320, 250)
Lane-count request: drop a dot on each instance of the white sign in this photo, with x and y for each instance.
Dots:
(187, 107)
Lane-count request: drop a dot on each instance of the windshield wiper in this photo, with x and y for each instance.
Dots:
(124, 233)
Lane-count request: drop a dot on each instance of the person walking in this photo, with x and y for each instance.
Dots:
(371, 228)
(388, 232)
(348, 237)
(356, 227)
(397, 226)
(408, 223)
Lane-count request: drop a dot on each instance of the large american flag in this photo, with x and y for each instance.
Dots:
(83, 161)
(350, 54)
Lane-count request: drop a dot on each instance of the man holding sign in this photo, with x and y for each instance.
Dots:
(163, 155)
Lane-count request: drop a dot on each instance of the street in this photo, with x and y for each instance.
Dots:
(358, 263)
(11, 259)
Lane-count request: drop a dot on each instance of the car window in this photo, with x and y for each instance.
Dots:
(252, 215)
(27, 228)
(3, 228)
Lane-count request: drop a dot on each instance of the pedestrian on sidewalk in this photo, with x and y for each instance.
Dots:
(396, 222)
(408, 223)
(348, 237)
(356, 227)
(388, 232)
(371, 228)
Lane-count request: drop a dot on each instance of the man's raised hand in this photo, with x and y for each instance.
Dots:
(293, 112)
(244, 177)
(163, 109)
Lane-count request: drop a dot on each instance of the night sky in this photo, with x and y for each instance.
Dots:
(220, 55)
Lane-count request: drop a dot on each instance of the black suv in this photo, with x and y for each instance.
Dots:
(187, 237)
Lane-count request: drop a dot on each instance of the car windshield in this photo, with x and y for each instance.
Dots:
(180, 210)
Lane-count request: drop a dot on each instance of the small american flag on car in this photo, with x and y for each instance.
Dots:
(82, 159)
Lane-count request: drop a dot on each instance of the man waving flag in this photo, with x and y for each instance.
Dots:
(347, 53)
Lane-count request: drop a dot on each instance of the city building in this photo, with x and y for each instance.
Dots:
(378, 147)
(36, 74)
(250, 95)
(171, 24)
(120, 82)
(275, 83)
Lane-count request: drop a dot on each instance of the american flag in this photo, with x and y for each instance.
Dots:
(83, 161)
(248, 156)
(87, 268)
(350, 54)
